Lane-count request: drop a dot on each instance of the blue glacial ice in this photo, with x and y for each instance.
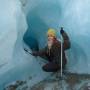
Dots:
(30, 23)
(15, 63)
(73, 16)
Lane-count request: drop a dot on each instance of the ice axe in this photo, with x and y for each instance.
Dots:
(28, 51)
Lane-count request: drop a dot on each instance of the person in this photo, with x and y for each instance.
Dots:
(53, 51)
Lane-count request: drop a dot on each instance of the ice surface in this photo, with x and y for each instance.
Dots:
(39, 16)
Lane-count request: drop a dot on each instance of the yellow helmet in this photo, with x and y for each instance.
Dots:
(51, 32)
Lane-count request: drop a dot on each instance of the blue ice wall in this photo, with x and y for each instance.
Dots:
(40, 18)
(15, 63)
(73, 16)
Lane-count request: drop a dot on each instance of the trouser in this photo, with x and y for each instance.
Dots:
(51, 67)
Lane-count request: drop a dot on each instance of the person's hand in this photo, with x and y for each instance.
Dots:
(34, 53)
(61, 31)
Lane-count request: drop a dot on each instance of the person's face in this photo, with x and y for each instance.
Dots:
(50, 38)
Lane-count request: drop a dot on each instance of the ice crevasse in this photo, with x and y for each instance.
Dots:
(73, 16)
(26, 22)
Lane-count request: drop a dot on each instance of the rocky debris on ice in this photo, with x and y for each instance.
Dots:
(70, 82)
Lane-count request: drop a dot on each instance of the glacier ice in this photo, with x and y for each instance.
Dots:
(73, 16)
(15, 64)
(30, 23)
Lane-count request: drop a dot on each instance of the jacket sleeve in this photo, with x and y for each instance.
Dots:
(66, 43)
(42, 53)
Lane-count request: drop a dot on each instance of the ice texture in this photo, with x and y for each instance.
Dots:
(26, 24)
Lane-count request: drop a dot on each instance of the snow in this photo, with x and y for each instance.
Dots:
(33, 20)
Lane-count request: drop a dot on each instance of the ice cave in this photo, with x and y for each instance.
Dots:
(23, 23)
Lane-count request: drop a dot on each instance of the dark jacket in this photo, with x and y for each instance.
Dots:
(54, 54)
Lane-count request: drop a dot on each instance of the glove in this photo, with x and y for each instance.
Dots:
(61, 31)
(34, 53)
